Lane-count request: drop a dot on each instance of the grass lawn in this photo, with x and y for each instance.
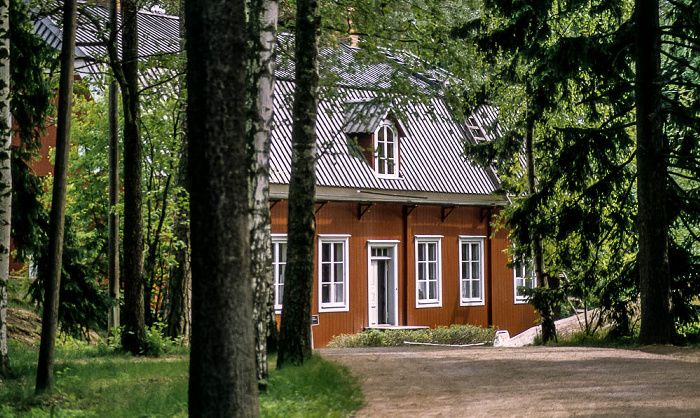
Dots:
(90, 382)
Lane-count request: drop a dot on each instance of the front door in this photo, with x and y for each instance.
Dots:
(382, 285)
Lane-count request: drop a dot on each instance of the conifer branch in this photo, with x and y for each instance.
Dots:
(681, 61)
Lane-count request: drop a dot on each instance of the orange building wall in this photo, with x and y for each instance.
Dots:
(42, 167)
(402, 223)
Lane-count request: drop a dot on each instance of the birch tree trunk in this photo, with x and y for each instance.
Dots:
(222, 360)
(657, 325)
(134, 310)
(52, 283)
(262, 34)
(295, 330)
(5, 179)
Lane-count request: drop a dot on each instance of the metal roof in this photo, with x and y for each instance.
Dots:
(159, 34)
(430, 154)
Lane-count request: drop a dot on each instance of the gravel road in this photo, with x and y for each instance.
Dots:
(525, 381)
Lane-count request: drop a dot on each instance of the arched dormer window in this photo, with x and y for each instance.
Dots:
(386, 145)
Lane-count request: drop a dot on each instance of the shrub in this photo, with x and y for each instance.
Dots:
(452, 335)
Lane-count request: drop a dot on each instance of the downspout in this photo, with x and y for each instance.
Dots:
(405, 264)
(489, 268)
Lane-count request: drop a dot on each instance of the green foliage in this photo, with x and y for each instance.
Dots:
(452, 335)
(318, 388)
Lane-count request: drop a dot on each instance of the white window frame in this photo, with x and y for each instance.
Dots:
(383, 160)
(517, 266)
(334, 306)
(471, 301)
(277, 239)
(421, 240)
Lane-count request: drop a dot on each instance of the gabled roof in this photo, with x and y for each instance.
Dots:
(364, 115)
(158, 34)
(431, 153)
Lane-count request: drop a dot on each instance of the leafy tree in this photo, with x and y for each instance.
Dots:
(222, 365)
(128, 76)
(44, 378)
(295, 330)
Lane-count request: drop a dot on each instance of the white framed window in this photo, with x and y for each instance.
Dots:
(471, 270)
(279, 266)
(428, 271)
(386, 145)
(333, 275)
(524, 276)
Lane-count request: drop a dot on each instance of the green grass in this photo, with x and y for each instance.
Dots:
(93, 383)
(452, 335)
(319, 388)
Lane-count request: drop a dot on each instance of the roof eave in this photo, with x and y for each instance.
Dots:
(340, 194)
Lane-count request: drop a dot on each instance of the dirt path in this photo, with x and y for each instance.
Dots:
(528, 381)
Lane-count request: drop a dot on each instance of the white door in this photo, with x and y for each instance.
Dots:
(382, 285)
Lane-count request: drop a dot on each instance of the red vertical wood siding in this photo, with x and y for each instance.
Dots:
(386, 222)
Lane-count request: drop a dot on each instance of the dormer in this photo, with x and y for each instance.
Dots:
(376, 134)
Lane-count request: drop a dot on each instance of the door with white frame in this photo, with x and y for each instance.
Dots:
(382, 283)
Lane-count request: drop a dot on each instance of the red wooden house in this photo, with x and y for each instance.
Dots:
(403, 221)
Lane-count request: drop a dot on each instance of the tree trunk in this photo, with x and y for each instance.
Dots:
(5, 179)
(262, 37)
(113, 223)
(179, 308)
(657, 325)
(134, 325)
(295, 330)
(52, 282)
(178, 315)
(549, 331)
(222, 360)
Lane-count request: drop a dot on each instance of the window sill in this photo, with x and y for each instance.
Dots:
(471, 303)
(322, 309)
(431, 304)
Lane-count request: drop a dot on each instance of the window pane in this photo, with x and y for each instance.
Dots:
(325, 252)
(432, 251)
(339, 295)
(280, 293)
(465, 270)
(338, 251)
(282, 251)
(421, 271)
(465, 252)
(476, 271)
(475, 289)
(432, 286)
(465, 289)
(421, 290)
(326, 293)
(282, 270)
(475, 252)
(432, 275)
(325, 273)
(338, 267)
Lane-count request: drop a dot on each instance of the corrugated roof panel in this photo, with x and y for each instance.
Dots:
(430, 155)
